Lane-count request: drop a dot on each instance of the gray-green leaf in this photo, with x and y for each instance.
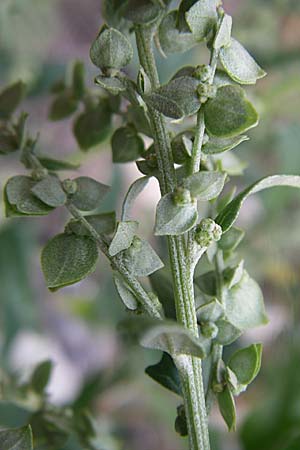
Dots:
(67, 259)
(246, 362)
(141, 11)
(202, 17)
(239, 64)
(50, 191)
(218, 145)
(205, 185)
(227, 408)
(63, 106)
(41, 376)
(56, 164)
(16, 439)
(140, 258)
(126, 145)
(211, 311)
(89, 193)
(113, 85)
(111, 50)
(223, 36)
(171, 39)
(166, 374)
(227, 333)
(123, 237)
(229, 113)
(244, 304)
(104, 223)
(10, 98)
(176, 99)
(227, 217)
(135, 189)
(173, 219)
(125, 293)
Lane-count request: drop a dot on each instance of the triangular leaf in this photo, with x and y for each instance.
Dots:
(126, 145)
(215, 145)
(140, 258)
(41, 376)
(202, 17)
(50, 191)
(205, 185)
(125, 293)
(10, 98)
(89, 194)
(171, 39)
(104, 223)
(166, 374)
(135, 189)
(246, 362)
(123, 237)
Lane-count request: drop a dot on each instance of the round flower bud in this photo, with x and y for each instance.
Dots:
(209, 330)
(39, 174)
(203, 73)
(182, 196)
(69, 186)
(206, 91)
(207, 232)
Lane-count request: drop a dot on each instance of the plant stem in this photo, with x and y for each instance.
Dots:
(189, 367)
(118, 265)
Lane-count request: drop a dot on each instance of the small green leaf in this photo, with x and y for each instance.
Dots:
(90, 193)
(56, 164)
(126, 145)
(10, 98)
(140, 258)
(93, 126)
(222, 79)
(113, 85)
(111, 50)
(158, 335)
(227, 217)
(63, 106)
(136, 115)
(246, 362)
(230, 240)
(202, 17)
(182, 146)
(41, 376)
(104, 223)
(162, 285)
(223, 36)
(227, 333)
(233, 275)
(123, 237)
(207, 283)
(133, 192)
(8, 140)
(173, 219)
(19, 196)
(229, 113)
(16, 439)
(176, 99)
(125, 293)
(211, 311)
(141, 11)
(171, 39)
(239, 64)
(67, 259)
(205, 185)
(215, 145)
(78, 86)
(166, 374)
(50, 191)
(227, 408)
(244, 304)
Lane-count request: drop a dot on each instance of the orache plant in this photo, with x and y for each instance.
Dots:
(200, 114)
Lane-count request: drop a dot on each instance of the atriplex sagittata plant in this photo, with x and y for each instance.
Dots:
(191, 121)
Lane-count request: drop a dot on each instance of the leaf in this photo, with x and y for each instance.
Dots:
(207, 283)
(202, 17)
(111, 50)
(41, 376)
(182, 145)
(230, 240)
(136, 115)
(215, 145)
(50, 191)
(19, 196)
(205, 185)
(172, 219)
(16, 439)
(227, 333)
(176, 99)
(239, 64)
(10, 98)
(141, 260)
(171, 39)
(104, 223)
(244, 304)
(133, 192)
(246, 362)
(56, 164)
(125, 293)
(166, 374)
(211, 311)
(93, 125)
(89, 194)
(162, 286)
(113, 85)
(159, 335)
(63, 106)
(223, 35)
(229, 113)
(126, 145)
(123, 237)
(78, 85)
(228, 216)
(233, 275)
(67, 259)
(141, 11)
(227, 408)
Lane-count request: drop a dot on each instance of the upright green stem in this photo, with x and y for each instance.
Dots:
(189, 367)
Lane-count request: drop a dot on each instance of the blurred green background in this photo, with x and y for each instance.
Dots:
(76, 326)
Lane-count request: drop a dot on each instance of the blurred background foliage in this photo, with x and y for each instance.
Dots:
(75, 327)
